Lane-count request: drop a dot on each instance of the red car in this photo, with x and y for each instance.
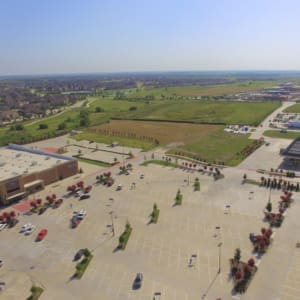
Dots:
(41, 234)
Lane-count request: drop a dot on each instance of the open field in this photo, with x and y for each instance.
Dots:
(210, 90)
(293, 109)
(173, 110)
(209, 142)
(109, 139)
(250, 113)
(277, 134)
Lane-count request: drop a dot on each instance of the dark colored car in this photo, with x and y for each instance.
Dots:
(78, 254)
(13, 223)
(75, 222)
(138, 281)
(58, 203)
(42, 210)
(84, 196)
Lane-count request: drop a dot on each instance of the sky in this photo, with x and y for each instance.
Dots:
(84, 36)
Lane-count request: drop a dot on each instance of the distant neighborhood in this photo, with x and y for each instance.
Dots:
(30, 98)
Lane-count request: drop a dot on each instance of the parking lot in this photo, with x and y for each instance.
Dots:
(179, 257)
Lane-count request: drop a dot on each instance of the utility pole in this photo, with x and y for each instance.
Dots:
(112, 223)
(219, 245)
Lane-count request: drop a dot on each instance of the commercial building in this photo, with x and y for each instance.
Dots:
(292, 152)
(294, 124)
(24, 171)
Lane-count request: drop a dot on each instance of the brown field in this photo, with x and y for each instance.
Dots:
(165, 132)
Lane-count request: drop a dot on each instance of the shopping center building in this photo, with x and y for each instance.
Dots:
(24, 171)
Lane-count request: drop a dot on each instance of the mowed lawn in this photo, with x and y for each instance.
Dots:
(209, 142)
(293, 109)
(277, 134)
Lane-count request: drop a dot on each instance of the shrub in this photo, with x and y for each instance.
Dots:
(197, 184)
(86, 252)
(154, 214)
(43, 126)
(99, 109)
(82, 265)
(269, 207)
(124, 237)
(237, 255)
(36, 292)
(178, 198)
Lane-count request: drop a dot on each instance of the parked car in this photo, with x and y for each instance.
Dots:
(58, 203)
(2, 226)
(25, 227)
(78, 254)
(137, 283)
(75, 222)
(88, 189)
(41, 234)
(13, 223)
(84, 196)
(119, 187)
(142, 176)
(1, 262)
(78, 193)
(42, 210)
(81, 215)
(30, 230)
(81, 212)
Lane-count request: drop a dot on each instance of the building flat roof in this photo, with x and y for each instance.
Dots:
(293, 150)
(17, 160)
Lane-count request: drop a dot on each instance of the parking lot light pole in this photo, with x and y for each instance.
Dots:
(219, 245)
(112, 223)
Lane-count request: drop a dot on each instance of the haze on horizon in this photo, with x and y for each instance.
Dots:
(77, 36)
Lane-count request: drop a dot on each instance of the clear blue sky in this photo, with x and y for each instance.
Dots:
(70, 36)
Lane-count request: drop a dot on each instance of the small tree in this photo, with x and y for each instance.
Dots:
(269, 207)
(237, 255)
(178, 198)
(197, 184)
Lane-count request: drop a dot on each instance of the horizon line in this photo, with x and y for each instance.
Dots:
(147, 71)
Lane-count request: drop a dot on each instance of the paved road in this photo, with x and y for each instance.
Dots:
(258, 133)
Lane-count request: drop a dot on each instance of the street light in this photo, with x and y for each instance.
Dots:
(112, 223)
(219, 245)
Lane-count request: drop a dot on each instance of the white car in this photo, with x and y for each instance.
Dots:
(25, 227)
(2, 226)
(81, 214)
(30, 230)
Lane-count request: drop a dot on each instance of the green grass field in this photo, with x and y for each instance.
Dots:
(277, 134)
(210, 90)
(108, 139)
(293, 109)
(219, 146)
(250, 113)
